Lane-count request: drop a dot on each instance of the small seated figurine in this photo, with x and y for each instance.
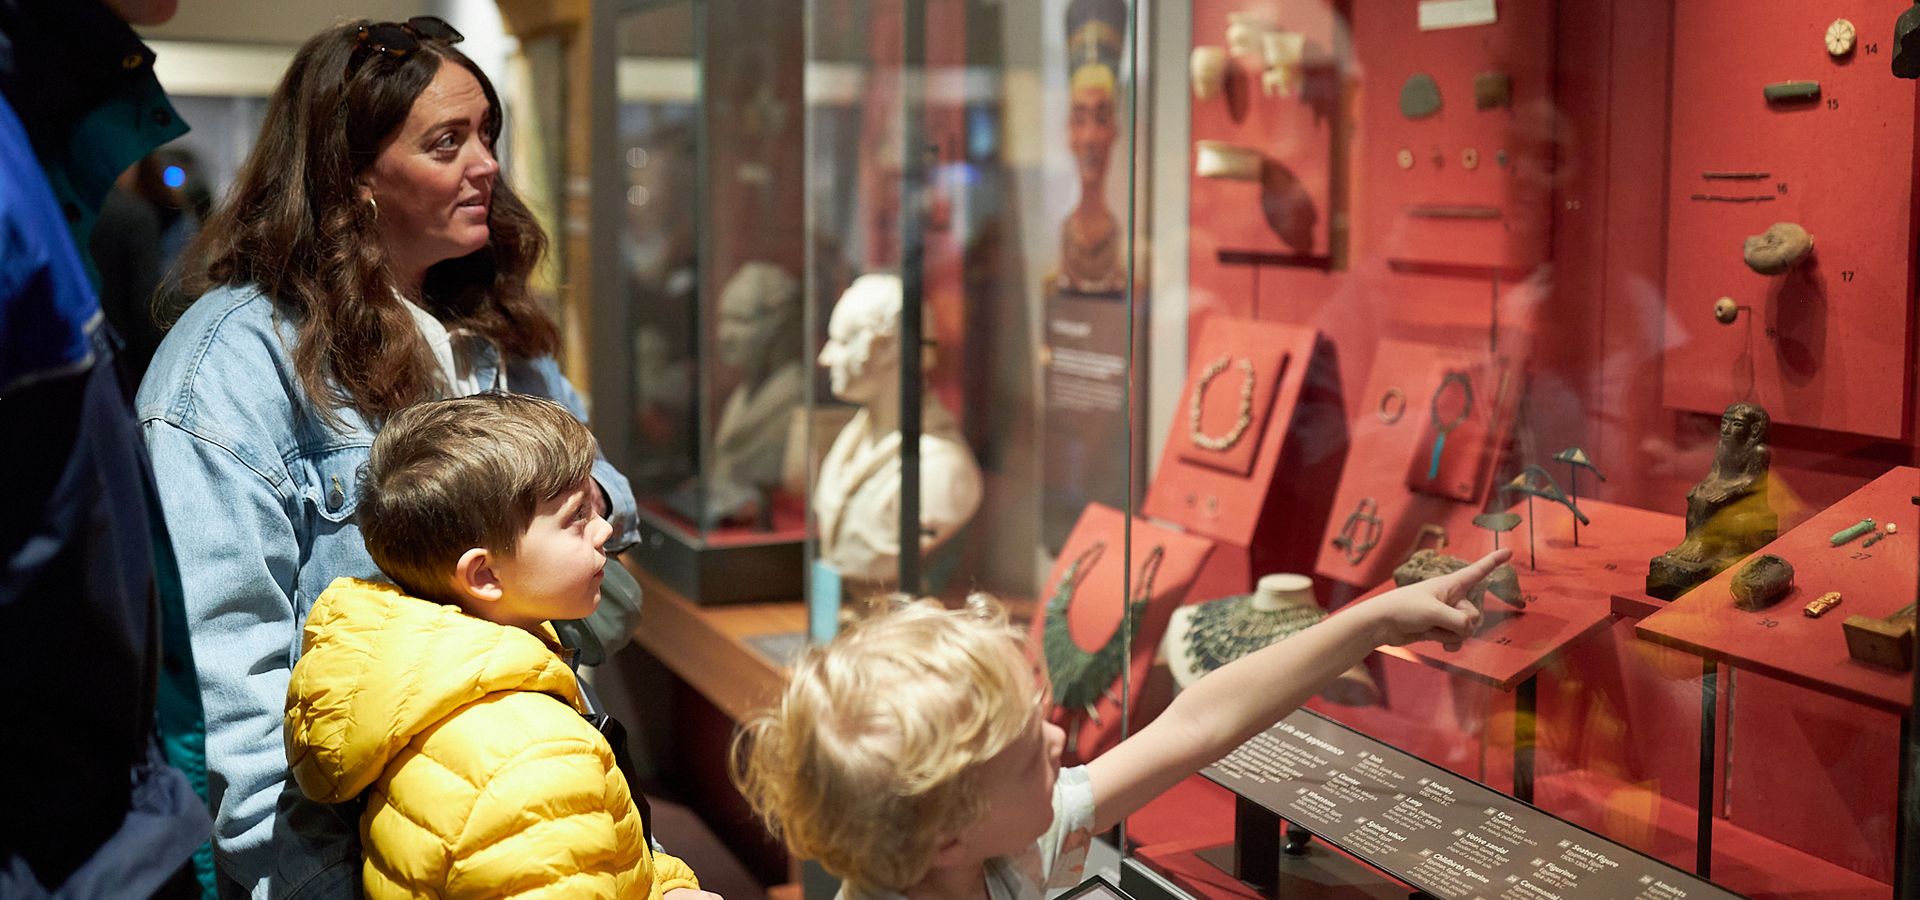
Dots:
(1424, 564)
(1728, 515)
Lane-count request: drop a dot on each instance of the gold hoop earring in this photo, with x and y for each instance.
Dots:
(375, 206)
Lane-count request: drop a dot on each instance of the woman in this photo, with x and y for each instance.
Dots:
(369, 256)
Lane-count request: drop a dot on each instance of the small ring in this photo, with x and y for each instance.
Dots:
(1393, 405)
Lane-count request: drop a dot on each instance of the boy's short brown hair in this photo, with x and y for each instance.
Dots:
(446, 476)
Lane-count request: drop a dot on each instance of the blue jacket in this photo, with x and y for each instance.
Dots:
(260, 492)
(93, 808)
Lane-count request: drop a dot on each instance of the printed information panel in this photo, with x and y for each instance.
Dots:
(1448, 835)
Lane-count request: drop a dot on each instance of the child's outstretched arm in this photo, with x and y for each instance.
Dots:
(1241, 699)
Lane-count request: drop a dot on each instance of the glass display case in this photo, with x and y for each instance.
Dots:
(709, 269)
(1018, 394)
(1183, 326)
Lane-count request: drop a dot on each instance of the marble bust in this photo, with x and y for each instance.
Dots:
(856, 497)
(1728, 514)
(758, 337)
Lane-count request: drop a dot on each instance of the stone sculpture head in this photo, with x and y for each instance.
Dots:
(862, 355)
(759, 315)
(1742, 427)
(1095, 31)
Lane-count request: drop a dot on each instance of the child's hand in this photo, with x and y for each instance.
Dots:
(1437, 609)
(689, 894)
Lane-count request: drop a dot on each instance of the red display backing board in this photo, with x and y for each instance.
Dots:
(1570, 594)
(1208, 500)
(1827, 345)
(1095, 611)
(1297, 210)
(1783, 643)
(1391, 48)
(1380, 453)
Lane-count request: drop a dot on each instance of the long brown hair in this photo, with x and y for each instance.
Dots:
(294, 227)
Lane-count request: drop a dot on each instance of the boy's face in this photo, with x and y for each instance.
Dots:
(556, 571)
(1018, 787)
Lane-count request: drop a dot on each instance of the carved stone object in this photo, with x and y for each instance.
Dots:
(1208, 67)
(1283, 52)
(1420, 96)
(1778, 249)
(1219, 159)
(1791, 91)
(1847, 534)
(1243, 32)
(1492, 90)
(1504, 583)
(1840, 37)
(1728, 513)
(1906, 44)
(1762, 582)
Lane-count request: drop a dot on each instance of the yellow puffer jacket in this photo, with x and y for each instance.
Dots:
(482, 779)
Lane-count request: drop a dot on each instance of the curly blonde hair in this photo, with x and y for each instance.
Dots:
(873, 755)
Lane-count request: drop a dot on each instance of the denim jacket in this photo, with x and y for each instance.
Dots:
(260, 494)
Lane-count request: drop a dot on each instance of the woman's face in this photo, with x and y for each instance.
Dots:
(1090, 131)
(433, 180)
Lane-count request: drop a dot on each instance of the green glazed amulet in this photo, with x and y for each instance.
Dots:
(1852, 531)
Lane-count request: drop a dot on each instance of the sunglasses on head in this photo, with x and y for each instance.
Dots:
(399, 40)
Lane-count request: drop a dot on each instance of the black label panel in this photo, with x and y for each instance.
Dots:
(1448, 835)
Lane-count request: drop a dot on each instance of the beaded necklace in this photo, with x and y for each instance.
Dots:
(1244, 418)
(1080, 677)
(1227, 629)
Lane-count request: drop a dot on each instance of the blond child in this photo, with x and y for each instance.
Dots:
(446, 700)
(912, 756)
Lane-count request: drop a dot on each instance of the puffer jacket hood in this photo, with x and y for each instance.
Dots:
(380, 667)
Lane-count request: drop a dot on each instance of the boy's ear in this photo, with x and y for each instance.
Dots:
(948, 853)
(474, 577)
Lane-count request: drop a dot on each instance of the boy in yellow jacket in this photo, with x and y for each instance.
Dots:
(446, 700)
